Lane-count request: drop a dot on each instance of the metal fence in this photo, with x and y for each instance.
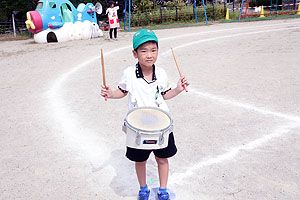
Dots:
(174, 14)
(6, 28)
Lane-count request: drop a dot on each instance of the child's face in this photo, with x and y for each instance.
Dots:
(146, 54)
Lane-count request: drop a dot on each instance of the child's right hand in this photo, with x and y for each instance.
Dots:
(106, 91)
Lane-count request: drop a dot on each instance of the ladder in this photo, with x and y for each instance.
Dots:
(245, 8)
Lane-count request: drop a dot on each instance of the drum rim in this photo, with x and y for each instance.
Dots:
(145, 131)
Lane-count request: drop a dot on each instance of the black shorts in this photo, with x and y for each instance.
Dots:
(141, 155)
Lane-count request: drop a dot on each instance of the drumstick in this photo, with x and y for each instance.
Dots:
(178, 68)
(103, 72)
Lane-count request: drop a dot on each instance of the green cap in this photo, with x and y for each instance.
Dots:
(142, 36)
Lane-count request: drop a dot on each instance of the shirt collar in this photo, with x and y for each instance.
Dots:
(139, 73)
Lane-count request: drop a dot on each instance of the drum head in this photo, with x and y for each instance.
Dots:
(148, 119)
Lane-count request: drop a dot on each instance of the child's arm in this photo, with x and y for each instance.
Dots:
(117, 94)
(182, 83)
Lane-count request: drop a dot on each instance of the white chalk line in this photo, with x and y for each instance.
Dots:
(229, 29)
(60, 109)
(178, 177)
(75, 134)
(70, 125)
(227, 36)
(245, 106)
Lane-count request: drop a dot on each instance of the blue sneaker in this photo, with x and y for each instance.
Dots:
(163, 196)
(144, 195)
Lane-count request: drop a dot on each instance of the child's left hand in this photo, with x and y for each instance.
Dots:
(182, 84)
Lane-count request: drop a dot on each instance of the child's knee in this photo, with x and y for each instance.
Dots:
(162, 161)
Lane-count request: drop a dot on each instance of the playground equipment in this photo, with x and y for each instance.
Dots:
(273, 9)
(244, 5)
(59, 20)
(274, 6)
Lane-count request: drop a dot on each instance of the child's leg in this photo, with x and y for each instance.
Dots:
(163, 171)
(115, 32)
(140, 168)
(110, 33)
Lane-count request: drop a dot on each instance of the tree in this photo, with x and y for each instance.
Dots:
(8, 6)
(142, 5)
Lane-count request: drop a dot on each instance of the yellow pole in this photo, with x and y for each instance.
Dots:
(298, 12)
(227, 14)
(262, 11)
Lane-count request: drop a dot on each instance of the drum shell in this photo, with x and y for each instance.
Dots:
(143, 140)
(147, 139)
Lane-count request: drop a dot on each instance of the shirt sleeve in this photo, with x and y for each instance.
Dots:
(123, 83)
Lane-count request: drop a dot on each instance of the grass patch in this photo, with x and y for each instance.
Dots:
(261, 19)
(24, 36)
(166, 26)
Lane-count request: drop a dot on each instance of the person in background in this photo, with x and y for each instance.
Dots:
(113, 19)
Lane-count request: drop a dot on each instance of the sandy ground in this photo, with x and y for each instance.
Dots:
(237, 129)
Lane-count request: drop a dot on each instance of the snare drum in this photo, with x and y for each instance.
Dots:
(147, 128)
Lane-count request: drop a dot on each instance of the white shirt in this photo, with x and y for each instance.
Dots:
(113, 17)
(142, 92)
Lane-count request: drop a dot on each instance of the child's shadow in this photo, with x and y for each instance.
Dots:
(125, 182)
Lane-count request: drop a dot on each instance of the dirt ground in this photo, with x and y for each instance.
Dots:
(237, 129)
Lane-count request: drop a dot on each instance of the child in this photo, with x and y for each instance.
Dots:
(142, 82)
(112, 19)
